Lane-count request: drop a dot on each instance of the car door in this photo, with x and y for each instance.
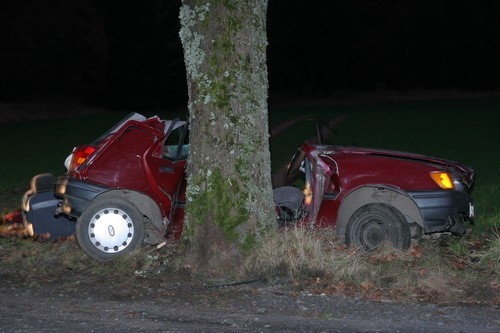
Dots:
(171, 166)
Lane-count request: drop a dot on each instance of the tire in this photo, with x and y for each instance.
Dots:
(109, 228)
(374, 224)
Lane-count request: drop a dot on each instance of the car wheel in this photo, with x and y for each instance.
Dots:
(374, 224)
(109, 228)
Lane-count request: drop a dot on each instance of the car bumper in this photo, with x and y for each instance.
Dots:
(444, 210)
(76, 194)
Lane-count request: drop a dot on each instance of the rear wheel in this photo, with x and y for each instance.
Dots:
(374, 224)
(110, 227)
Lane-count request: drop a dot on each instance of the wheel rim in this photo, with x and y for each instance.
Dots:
(374, 232)
(111, 230)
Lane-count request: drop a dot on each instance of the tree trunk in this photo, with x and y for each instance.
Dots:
(229, 194)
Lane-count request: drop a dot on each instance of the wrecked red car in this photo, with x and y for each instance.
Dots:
(128, 188)
(124, 189)
(373, 196)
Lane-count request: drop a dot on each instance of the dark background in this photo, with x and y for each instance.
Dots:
(127, 54)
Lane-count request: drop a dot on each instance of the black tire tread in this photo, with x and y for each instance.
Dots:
(401, 238)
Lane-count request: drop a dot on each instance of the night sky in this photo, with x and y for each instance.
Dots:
(128, 54)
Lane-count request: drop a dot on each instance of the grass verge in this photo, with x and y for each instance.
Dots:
(443, 270)
(431, 271)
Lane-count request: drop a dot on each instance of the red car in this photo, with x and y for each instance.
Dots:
(128, 188)
(373, 195)
(124, 189)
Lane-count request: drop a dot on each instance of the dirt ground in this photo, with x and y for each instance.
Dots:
(177, 303)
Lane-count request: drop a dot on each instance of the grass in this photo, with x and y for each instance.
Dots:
(296, 259)
(431, 271)
(441, 270)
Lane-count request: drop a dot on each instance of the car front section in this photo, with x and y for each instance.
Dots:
(371, 196)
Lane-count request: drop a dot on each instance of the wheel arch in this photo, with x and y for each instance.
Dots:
(379, 194)
(144, 203)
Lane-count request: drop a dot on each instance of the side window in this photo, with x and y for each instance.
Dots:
(176, 146)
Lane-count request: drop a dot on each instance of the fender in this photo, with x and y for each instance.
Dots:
(146, 205)
(379, 193)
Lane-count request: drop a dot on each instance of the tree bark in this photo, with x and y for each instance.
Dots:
(229, 194)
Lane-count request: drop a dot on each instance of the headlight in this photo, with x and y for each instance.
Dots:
(443, 179)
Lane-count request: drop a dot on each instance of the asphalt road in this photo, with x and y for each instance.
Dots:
(101, 306)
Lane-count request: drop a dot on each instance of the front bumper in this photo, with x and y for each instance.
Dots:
(76, 194)
(444, 210)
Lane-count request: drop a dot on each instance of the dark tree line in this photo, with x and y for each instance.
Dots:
(47, 46)
(129, 52)
(125, 54)
(393, 45)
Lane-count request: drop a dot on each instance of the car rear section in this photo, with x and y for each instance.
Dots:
(122, 190)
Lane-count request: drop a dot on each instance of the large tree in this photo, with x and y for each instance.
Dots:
(229, 194)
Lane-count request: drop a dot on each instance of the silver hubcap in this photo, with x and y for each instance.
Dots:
(111, 230)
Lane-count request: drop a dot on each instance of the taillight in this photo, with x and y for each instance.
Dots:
(80, 155)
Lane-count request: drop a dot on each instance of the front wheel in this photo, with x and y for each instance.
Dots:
(374, 224)
(109, 228)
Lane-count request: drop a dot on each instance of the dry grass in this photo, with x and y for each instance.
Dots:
(298, 252)
(34, 260)
(491, 256)
(429, 271)
(441, 270)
